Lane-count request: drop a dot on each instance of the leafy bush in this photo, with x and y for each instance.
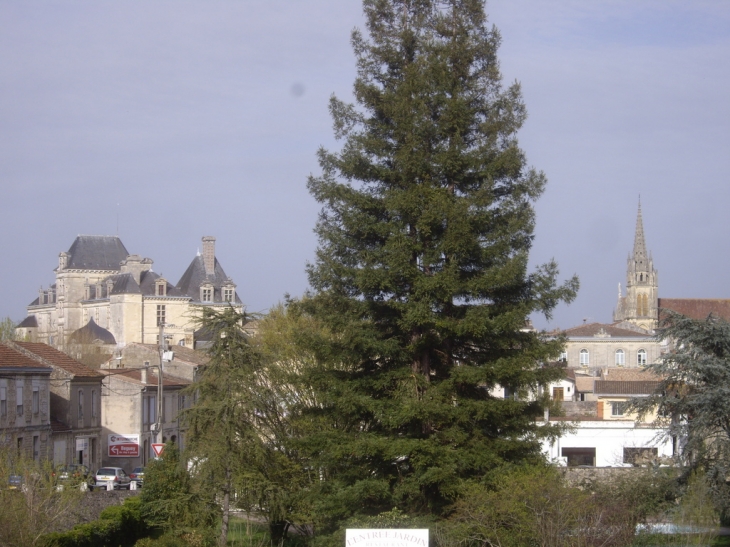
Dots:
(118, 526)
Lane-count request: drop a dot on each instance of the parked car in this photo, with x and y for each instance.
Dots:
(74, 473)
(116, 475)
(137, 475)
(15, 482)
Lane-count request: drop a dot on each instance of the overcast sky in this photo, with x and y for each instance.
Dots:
(163, 122)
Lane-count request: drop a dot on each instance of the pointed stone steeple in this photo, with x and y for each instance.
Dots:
(640, 305)
(641, 259)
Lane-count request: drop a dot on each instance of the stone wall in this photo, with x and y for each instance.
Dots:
(579, 408)
(91, 505)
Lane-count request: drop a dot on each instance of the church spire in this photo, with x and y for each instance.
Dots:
(640, 306)
(641, 262)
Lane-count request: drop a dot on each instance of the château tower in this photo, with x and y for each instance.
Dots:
(640, 306)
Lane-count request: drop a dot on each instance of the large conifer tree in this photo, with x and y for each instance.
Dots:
(421, 270)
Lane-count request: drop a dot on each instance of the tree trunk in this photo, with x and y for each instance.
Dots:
(223, 539)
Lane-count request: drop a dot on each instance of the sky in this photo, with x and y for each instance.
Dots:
(163, 122)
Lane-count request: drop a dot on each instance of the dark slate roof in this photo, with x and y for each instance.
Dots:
(611, 387)
(124, 284)
(195, 276)
(697, 308)
(28, 322)
(92, 332)
(96, 253)
(147, 285)
(594, 329)
(59, 359)
(14, 359)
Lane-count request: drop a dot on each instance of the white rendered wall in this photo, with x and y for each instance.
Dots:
(609, 439)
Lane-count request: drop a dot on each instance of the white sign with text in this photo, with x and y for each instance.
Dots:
(386, 537)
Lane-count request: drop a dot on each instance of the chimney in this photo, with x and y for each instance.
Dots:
(135, 265)
(143, 372)
(62, 261)
(209, 254)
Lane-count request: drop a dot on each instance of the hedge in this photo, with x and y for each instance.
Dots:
(118, 526)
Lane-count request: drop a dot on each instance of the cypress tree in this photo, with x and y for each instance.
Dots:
(421, 271)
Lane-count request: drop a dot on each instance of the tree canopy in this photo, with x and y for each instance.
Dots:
(693, 398)
(421, 272)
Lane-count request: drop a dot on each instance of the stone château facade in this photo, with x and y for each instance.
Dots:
(103, 295)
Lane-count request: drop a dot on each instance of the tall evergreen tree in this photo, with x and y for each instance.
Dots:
(421, 269)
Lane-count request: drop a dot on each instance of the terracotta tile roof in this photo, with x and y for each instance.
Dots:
(58, 426)
(58, 359)
(629, 375)
(134, 375)
(584, 384)
(697, 308)
(12, 358)
(599, 329)
(183, 353)
(611, 387)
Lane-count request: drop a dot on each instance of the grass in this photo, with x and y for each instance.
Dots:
(680, 540)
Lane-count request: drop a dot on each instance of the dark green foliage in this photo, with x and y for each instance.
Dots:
(421, 271)
(169, 499)
(693, 399)
(239, 433)
(119, 526)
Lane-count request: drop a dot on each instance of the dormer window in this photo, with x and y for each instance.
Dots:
(206, 293)
(161, 287)
(229, 291)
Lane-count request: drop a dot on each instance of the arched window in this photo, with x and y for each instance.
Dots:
(584, 358)
(620, 358)
(641, 358)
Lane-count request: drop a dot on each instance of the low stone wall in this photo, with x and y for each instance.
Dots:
(90, 506)
(580, 475)
(579, 408)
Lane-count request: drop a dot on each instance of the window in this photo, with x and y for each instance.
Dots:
(639, 455)
(563, 356)
(228, 294)
(161, 288)
(36, 400)
(19, 400)
(641, 358)
(3, 401)
(160, 315)
(584, 358)
(149, 410)
(81, 406)
(93, 403)
(620, 358)
(618, 408)
(36, 448)
(206, 294)
(579, 456)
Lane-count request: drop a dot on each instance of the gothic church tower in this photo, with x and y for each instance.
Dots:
(640, 305)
